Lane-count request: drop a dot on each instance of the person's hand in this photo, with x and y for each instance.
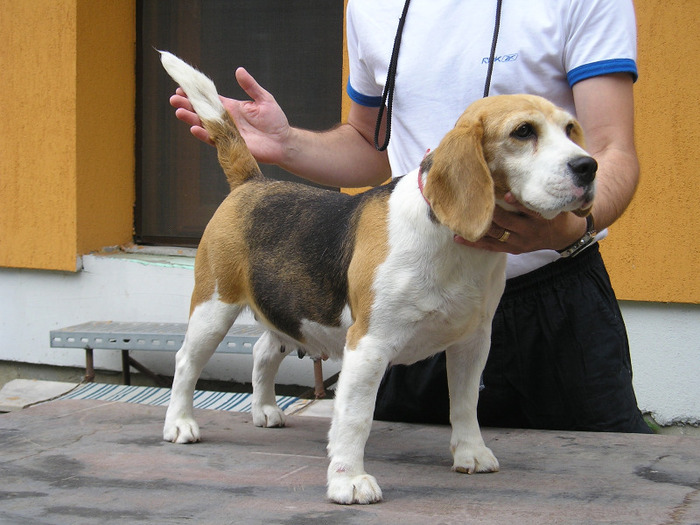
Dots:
(527, 230)
(261, 121)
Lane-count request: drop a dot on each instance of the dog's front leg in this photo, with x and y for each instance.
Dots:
(465, 363)
(355, 398)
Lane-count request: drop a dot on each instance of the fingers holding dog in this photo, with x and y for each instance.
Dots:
(521, 230)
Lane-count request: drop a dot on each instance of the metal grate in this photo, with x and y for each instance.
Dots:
(147, 336)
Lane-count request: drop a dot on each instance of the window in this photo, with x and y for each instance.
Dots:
(293, 49)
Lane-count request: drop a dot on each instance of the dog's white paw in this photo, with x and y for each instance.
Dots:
(181, 430)
(346, 490)
(268, 416)
(470, 460)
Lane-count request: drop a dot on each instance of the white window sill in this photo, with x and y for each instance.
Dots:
(166, 256)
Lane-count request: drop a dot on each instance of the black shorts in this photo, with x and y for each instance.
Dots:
(559, 359)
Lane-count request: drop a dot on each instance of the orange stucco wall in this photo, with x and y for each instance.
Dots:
(653, 252)
(37, 165)
(67, 168)
(105, 123)
(67, 141)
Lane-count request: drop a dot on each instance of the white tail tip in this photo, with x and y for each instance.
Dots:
(200, 90)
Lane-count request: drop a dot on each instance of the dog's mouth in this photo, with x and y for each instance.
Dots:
(580, 199)
(586, 200)
(585, 209)
(578, 202)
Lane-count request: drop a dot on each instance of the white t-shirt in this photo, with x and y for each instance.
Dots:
(544, 48)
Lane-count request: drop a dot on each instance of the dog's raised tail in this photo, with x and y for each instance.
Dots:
(236, 160)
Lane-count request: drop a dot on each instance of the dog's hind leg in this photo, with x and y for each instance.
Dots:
(268, 354)
(209, 323)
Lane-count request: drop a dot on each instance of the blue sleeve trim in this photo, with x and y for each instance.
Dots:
(604, 67)
(363, 100)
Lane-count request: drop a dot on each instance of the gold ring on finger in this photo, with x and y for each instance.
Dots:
(504, 236)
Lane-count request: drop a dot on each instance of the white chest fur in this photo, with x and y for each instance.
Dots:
(430, 291)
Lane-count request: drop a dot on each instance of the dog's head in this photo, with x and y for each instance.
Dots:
(518, 143)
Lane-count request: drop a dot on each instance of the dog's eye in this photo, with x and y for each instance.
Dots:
(569, 129)
(523, 131)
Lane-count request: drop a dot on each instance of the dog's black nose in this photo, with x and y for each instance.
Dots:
(584, 169)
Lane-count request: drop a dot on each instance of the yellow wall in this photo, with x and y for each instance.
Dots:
(105, 123)
(37, 165)
(67, 142)
(653, 252)
(67, 132)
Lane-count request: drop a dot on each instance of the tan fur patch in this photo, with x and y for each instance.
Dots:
(371, 249)
(576, 134)
(226, 270)
(236, 160)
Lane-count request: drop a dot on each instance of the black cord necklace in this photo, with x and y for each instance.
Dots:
(388, 94)
(492, 55)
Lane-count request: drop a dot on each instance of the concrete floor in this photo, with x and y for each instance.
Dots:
(78, 462)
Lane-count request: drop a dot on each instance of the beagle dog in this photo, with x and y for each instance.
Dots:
(374, 279)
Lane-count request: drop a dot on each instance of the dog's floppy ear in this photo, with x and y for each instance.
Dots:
(459, 186)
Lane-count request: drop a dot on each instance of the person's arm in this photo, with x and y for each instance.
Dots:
(605, 109)
(343, 156)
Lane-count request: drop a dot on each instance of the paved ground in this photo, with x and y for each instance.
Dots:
(77, 462)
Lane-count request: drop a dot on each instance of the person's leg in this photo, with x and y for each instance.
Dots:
(559, 359)
(415, 393)
(560, 347)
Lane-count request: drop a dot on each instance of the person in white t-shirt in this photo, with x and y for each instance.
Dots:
(559, 357)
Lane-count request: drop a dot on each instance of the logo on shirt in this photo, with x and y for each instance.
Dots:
(502, 59)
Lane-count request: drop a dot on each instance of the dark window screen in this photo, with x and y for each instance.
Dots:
(292, 48)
